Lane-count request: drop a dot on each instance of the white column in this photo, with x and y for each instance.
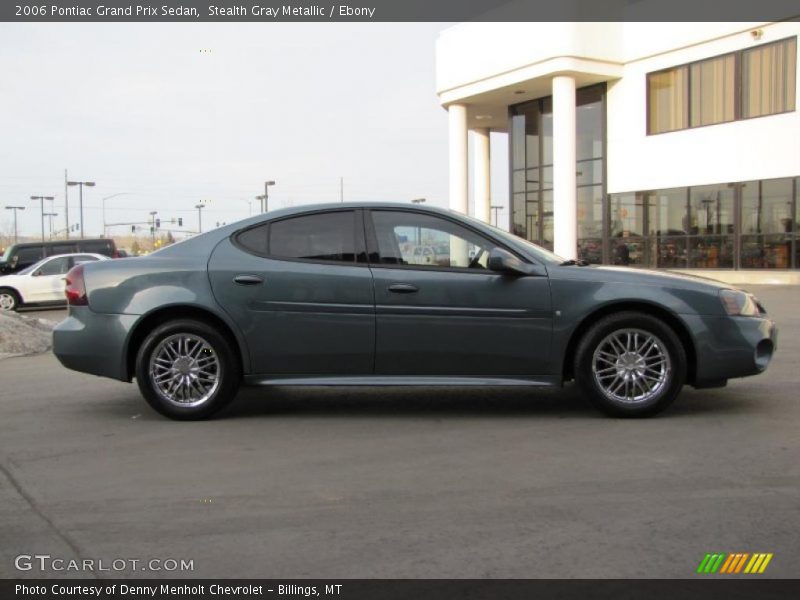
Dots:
(565, 196)
(481, 176)
(457, 117)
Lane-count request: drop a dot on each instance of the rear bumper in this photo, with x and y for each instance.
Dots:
(93, 342)
(729, 347)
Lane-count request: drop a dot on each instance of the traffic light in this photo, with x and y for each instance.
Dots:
(158, 223)
(180, 221)
(133, 228)
(152, 229)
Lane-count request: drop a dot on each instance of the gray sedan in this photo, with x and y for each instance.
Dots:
(334, 295)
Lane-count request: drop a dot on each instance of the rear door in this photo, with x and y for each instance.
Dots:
(301, 292)
(452, 316)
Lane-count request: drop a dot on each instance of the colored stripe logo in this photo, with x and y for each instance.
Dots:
(734, 563)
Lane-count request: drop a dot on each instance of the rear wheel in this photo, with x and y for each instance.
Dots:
(187, 370)
(631, 364)
(9, 299)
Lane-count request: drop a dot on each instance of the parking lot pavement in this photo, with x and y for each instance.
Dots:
(403, 483)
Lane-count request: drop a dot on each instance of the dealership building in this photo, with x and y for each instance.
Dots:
(661, 145)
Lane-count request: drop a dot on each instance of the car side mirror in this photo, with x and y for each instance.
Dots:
(502, 261)
(37, 273)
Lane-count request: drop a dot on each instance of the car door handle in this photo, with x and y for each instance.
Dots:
(248, 279)
(403, 288)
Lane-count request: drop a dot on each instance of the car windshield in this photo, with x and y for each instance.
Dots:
(541, 254)
(30, 269)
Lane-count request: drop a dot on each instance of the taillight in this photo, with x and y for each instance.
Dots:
(76, 288)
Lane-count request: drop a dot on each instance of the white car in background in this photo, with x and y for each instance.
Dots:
(42, 283)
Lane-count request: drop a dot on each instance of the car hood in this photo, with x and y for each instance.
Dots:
(611, 274)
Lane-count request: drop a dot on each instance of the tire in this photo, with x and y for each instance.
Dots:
(187, 370)
(9, 300)
(630, 364)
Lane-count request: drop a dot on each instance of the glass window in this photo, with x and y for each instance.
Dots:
(667, 224)
(667, 93)
(57, 266)
(82, 258)
(768, 78)
(254, 239)
(408, 238)
(713, 92)
(322, 236)
(104, 247)
(590, 223)
(711, 209)
(29, 255)
(626, 240)
(61, 249)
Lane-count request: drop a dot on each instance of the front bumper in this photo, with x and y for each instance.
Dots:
(93, 342)
(729, 347)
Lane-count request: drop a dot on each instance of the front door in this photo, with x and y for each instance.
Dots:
(46, 284)
(450, 315)
(301, 292)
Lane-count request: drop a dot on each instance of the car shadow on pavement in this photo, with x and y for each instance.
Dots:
(405, 402)
(568, 402)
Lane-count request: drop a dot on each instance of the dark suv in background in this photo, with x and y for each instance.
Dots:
(19, 256)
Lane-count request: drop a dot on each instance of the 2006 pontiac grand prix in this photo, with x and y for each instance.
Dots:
(392, 294)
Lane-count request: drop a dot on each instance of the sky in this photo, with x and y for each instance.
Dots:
(170, 115)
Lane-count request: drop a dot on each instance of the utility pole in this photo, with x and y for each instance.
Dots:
(15, 209)
(341, 189)
(66, 204)
(153, 214)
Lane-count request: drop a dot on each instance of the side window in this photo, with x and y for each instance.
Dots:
(408, 238)
(98, 247)
(322, 236)
(57, 266)
(254, 239)
(81, 258)
(61, 249)
(30, 255)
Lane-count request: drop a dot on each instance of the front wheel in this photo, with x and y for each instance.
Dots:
(631, 364)
(9, 300)
(187, 370)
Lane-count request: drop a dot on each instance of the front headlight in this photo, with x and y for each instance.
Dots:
(738, 303)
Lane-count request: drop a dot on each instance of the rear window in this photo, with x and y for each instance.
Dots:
(323, 236)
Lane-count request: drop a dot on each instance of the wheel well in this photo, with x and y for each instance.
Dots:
(667, 317)
(12, 290)
(163, 315)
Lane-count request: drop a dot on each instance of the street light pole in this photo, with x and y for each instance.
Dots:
(496, 208)
(80, 195)
(50, 216)
(41, 200)
(15, 209)
(199, 208)
(104, 207)
(266, 194)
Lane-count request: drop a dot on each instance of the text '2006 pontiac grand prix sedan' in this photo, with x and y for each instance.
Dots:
(392, 294)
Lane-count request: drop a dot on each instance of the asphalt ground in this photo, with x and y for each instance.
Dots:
(347, 483)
